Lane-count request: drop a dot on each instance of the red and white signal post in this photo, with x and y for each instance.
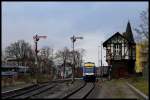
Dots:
(36, 39)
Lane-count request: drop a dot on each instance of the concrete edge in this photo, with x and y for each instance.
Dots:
(137, 91)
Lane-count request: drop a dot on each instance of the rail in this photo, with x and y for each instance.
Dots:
(29, 91)
(82, 92)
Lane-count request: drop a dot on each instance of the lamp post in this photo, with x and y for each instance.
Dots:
(73, 38)
(101, 60)
(98, 61)
(101, 53)
(98, 56)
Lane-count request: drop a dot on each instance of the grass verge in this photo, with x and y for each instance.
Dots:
(140, 83)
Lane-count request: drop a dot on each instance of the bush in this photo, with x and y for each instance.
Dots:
(43, 78)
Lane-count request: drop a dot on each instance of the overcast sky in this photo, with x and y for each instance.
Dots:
(94, 21)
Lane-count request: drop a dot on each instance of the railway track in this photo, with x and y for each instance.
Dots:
(30, 91)
(13, 93)
(82, 92)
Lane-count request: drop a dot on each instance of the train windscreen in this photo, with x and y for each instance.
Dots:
(89, 70)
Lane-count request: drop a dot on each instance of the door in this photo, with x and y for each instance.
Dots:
(122, 72)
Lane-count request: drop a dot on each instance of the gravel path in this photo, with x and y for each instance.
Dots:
(113, 89)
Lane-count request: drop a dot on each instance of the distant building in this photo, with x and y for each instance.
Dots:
(141, 56)
(67, 72)
(102, 71)
(138, 67)
(64, 73)
(121, 53)
(12, 61)
(11, 70)
(8, 70)
(79, 72)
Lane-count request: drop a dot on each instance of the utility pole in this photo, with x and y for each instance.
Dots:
(101, 60)
(73, 38)
(98, 61)
(52, 67)
(73, 71)
(101, 53)
(52, 50)
(98, 56)
(102, 67)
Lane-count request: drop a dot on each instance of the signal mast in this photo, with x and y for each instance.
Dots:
(36, 39)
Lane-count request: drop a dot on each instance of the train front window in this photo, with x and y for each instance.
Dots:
(89, 70)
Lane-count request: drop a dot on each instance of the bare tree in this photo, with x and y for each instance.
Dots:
(82, 53)
(46, 59)
(19, 50)
(3, 57)
(65, 56)
(143, 33)
(46, 52)
(79, 56)
(78, 60)
(142, 30)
